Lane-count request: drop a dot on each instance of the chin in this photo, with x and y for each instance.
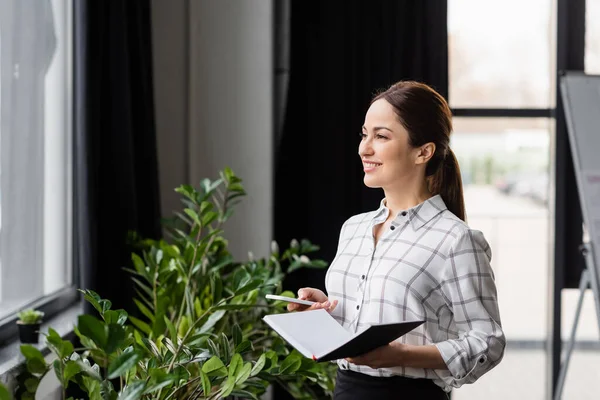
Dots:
(371, 183)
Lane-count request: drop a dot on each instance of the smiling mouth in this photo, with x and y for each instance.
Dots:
(370, 165)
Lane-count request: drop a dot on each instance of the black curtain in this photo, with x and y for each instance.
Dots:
(116, 174)
(341, 53)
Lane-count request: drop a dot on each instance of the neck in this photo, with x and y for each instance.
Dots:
(398, 198)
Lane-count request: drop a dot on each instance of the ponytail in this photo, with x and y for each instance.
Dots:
(446, 181)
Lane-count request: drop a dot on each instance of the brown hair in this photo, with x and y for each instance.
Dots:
(426, 116)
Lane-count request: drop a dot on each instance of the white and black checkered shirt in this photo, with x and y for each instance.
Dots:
(429, 265)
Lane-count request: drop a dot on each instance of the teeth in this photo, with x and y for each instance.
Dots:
(371, 165)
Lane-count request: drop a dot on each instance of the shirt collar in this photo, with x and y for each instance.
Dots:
(418, 215)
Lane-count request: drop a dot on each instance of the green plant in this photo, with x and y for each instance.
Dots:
(30, 316)
(4, 393)
(202, 333)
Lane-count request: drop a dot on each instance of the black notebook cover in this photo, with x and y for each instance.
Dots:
(373, 337)
(317, 335)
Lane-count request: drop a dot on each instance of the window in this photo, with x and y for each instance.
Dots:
(592, 37)
(502, 75)
(35, 151)
(501, 53)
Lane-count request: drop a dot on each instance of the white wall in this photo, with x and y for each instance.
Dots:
(217, 63)
(169, 40)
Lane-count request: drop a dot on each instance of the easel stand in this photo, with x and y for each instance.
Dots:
(588, 279)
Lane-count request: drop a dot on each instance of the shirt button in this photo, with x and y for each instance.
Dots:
(362, 277)
(357, 307)
(481, 360)
(392, 227)
(404, 213)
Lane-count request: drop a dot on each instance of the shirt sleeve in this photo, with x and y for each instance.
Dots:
(470, 291)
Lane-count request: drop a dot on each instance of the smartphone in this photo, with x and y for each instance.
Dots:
(290, 299)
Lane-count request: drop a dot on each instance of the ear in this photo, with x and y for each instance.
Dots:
(424, 153)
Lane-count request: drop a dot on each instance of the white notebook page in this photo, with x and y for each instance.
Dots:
(316, 331)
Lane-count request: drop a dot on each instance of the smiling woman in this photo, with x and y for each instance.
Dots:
(414, 258)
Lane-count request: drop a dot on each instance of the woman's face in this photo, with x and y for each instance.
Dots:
(388, 159)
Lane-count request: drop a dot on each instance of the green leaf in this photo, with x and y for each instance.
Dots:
(133, 391)
(226, 347)
(228, 387)
(116, 316)
(4, 393)
(212, 320)
(58, 370)
(36, 366)
(260, 363)
(31, 384)
(143, 286)
(93, 298)
(232, 307)
(209, 217)
(116, 336)
(123, 363)
(171, 327)
(141, 325)
(72, 368)
(228, 173)
(159, 385)
(192, 214)
(238, 336)
(94, 329)
(31, 352)
(152, 346)
(244, 394)
(242, 347)
(205, 383)
(235, 364)
(216, 287)
(139, 264)
(169, 345)
(291, 364)
(249, 286)
(213, 347)
(214, 367)
(241, 277)
(243, 374)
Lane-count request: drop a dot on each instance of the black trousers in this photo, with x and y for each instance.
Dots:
(352, 385)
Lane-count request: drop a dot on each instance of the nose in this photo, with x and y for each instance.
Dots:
(365, 148)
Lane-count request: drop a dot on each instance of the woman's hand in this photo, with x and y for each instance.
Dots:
(387, 356)
(312, 294)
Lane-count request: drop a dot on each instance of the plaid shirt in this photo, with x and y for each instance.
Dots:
(427, 266)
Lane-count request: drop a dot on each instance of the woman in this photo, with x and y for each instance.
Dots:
(413, 258)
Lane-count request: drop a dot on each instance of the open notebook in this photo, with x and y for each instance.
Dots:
(317, 335)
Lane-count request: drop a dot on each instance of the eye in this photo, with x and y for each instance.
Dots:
(381, 137)
(362, 135)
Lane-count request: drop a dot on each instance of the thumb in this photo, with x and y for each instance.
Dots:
(304, 293)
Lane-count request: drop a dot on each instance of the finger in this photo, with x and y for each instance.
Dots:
(317, 306)
(333, 306)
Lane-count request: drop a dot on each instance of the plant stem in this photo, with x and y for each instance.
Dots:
(189, 277)
(187, 334)
(183, 386)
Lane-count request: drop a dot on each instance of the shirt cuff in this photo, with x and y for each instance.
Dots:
(458, 363)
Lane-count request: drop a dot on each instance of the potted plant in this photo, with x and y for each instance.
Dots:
(200, 334)
(29, 325)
